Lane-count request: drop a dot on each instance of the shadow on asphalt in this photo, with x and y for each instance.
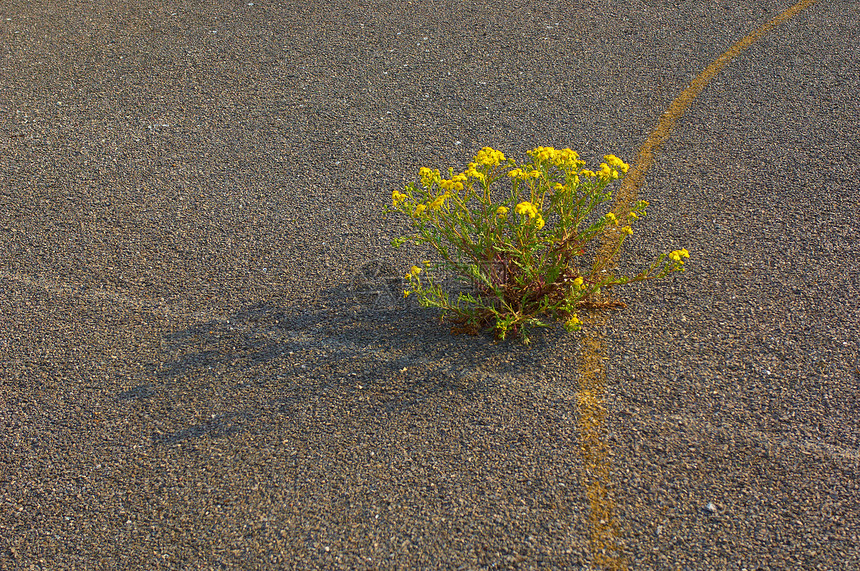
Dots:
(268, 360)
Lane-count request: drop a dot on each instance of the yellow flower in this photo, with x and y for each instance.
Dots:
(526, 208)
(397, 197)
(617, 163)
(473, 172)
(558, 186)
(439, 201)
(540, 222)
(534, 174)
(567, 158)
(542, 153)
(515, 173)
(678, 254)
(611, 218)
(429, 176)
(489, 156)
(502, 212)
(564, 158)
(453, 184)
(574, 324)
(627, 230)
(578, 282)
(588, 173)
(606, 172)
(413, 273)
(419, 210)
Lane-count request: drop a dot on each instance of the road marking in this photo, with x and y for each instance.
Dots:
(605, 541)
(604, 534)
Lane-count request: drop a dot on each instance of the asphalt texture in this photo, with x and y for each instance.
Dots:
(193, 378)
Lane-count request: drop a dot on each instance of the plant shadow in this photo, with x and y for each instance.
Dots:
(219, 378)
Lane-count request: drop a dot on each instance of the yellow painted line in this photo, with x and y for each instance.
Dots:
(634, 179)
(605, 543)
(604, 533)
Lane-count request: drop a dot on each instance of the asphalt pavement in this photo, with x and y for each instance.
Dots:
(197, 370)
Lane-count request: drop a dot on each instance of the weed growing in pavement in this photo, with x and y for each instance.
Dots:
(515, 235)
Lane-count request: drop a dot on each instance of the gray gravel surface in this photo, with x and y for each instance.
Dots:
(188, 188)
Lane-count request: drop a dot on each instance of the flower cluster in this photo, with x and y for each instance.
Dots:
(489, 157)
(678, 254)
(563, 159)
(529, 209)
(520, 267)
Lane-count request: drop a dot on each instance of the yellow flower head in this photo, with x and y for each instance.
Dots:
(397, 197)
(567, 158)
(524, 175)
(439, 201)
(578, 282)
(473, 172)
(574, 324)
(542, 153)
(540, 222)
(489, 156)
(606, 172)
(564, 158)
(453, 184)
(611, 218)
(502, 212)
(526, 208)
(429, 176)
(617, 163)
(419, 210)
(627, 230)
(678, 254)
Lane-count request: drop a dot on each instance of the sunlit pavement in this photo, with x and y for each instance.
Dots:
(188, 379)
